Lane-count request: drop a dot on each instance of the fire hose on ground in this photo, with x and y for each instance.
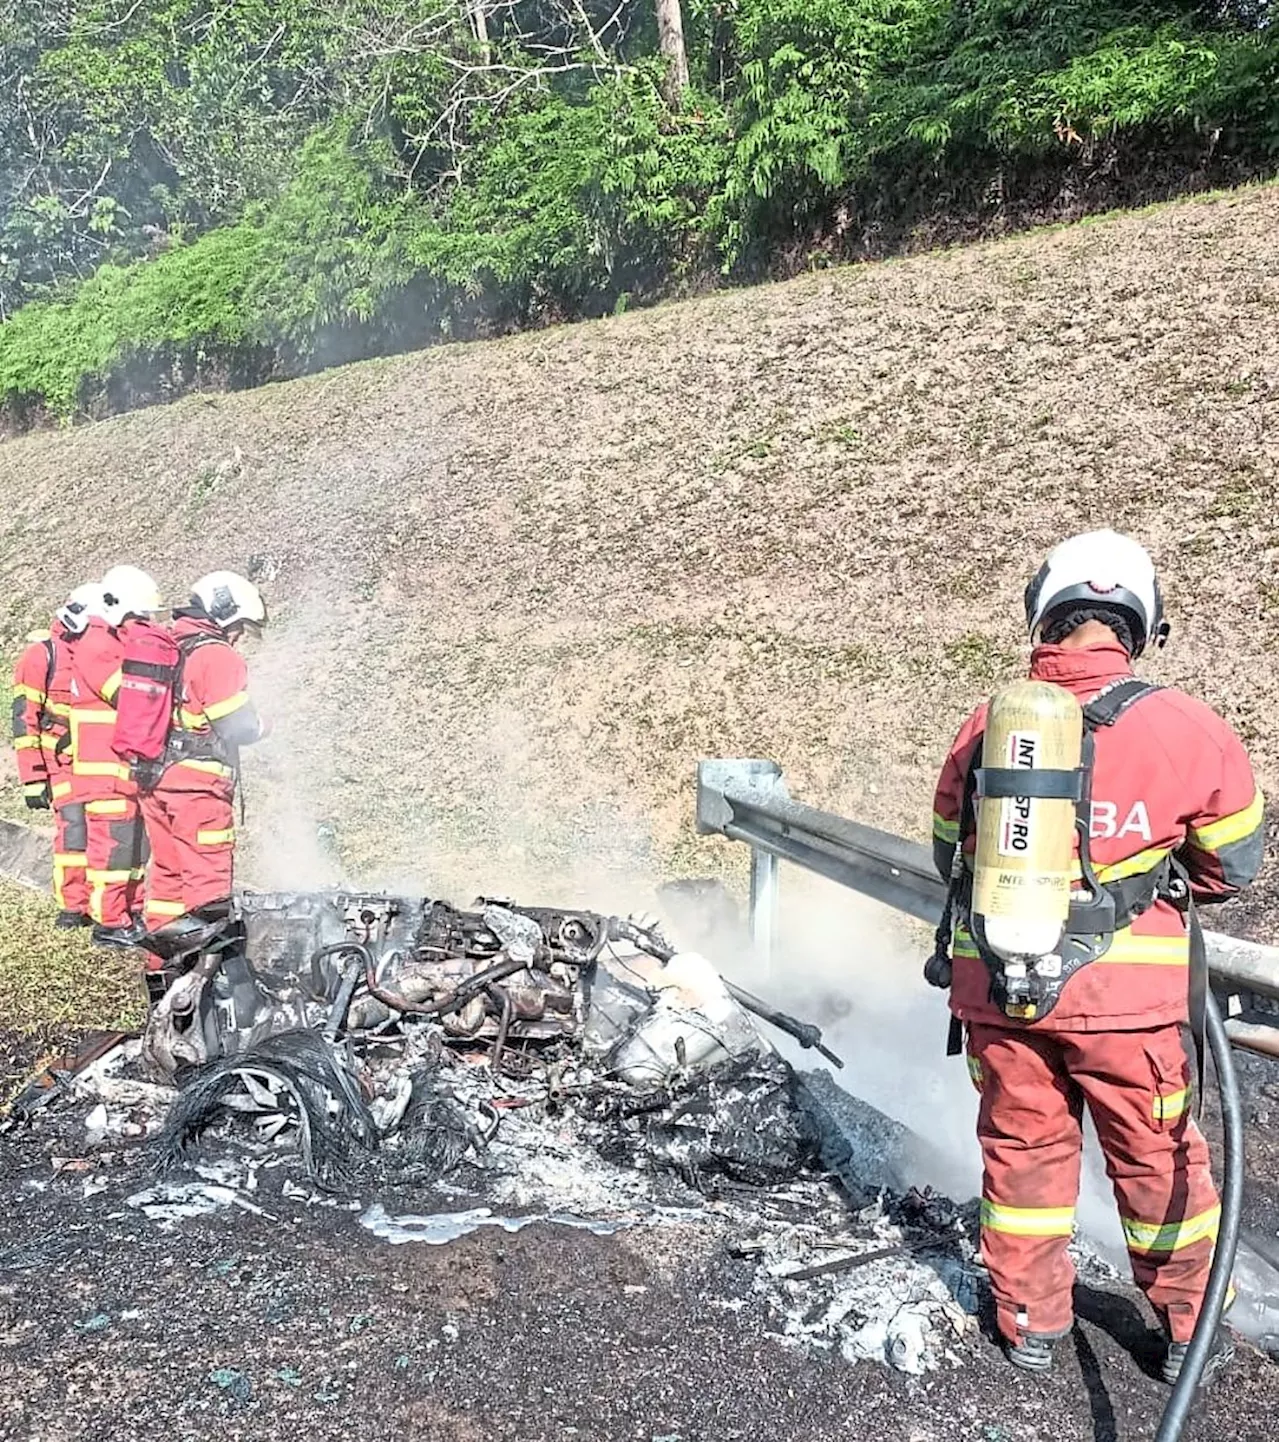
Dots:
(1224, 1251)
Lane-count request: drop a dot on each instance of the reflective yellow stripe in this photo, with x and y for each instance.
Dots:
(1132, 865)
(101, 768)
(34, 788)
(1147, 1237)
(29, 693)
(106, 808)
(1230, 828)
(111, 685)
(156, 907)
(1028, 1221)
(214, 768)
(191, 720)
(99, 716)
(1129, 950)
(1166, 1108)
(58, 708)
(61, 789)
(51, 739)
(70, 858)
(945, 830)
(1125, 949)
(224, 708)
(975, 1071)
(963, 944)
(108, 878)
(215, 838)
(26, 743)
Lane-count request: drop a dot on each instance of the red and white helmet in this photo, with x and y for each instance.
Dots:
(1100, 568)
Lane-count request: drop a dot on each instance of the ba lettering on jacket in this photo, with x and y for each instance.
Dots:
(1106, 823)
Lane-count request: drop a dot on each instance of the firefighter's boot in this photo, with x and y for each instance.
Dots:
(1221, 1351)
(129, 935)
(1033, 1351)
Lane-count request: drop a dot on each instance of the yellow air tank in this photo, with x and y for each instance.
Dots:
(1023, 861)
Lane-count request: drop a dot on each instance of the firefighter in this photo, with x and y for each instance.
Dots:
(41, 737)
(1172, 803)
(115, 849)
(188, 813)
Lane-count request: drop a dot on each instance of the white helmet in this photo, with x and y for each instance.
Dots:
(127, 591)
(1100, 568)
(80, 607)
(229, 600)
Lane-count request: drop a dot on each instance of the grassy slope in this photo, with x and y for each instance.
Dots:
(54, 984)
(520, 587)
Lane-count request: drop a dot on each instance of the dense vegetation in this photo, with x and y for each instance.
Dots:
(227, 190)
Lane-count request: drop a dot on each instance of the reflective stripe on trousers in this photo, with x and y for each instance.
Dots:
(1035, 1086)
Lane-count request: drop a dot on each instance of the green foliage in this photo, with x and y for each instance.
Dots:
(190, 299)
(333, 249)
(891, 93)
(182, 186)
(572, 203)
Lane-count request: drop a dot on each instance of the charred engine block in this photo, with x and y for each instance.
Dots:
(500, 971)
(360, 965)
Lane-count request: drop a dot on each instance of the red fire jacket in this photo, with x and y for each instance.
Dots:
(214, 716)
(1169, 776)
(32, 718)
(97, 771)
(42, 707)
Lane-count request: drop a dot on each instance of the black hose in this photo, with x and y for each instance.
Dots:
(1224, 1252)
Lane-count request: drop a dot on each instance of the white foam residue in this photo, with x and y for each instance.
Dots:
(442, 1227)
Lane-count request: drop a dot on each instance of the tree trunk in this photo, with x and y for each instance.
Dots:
(671, 46)
(479, 24)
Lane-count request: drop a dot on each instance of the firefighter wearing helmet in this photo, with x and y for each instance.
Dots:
(42, 740)
(188, 812)
(1079, 818)
(115, 844)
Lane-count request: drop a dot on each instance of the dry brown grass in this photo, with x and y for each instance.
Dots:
(521, 587)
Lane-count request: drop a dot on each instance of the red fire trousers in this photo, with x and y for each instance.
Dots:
(1136, 1084)
(115, 858)
(70, 854)
(192, 836)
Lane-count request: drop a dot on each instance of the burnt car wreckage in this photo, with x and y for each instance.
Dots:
(564, 1066)
(547, 1064)
(349, 1017)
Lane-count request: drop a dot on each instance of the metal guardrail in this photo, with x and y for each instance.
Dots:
(747, 801)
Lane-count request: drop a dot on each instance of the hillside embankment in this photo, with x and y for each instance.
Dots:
(520, 587)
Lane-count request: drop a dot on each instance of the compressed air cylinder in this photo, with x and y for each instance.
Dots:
(1023, 862)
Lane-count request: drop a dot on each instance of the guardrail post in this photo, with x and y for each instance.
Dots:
(764, 903)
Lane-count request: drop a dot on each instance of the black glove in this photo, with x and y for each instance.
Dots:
(39, 800)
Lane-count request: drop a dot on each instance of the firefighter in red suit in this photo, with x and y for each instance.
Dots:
(1171, 783)
(115, 844)
(189, 817)
(42, 740)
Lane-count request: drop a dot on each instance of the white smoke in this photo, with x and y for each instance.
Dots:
(854, 967)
